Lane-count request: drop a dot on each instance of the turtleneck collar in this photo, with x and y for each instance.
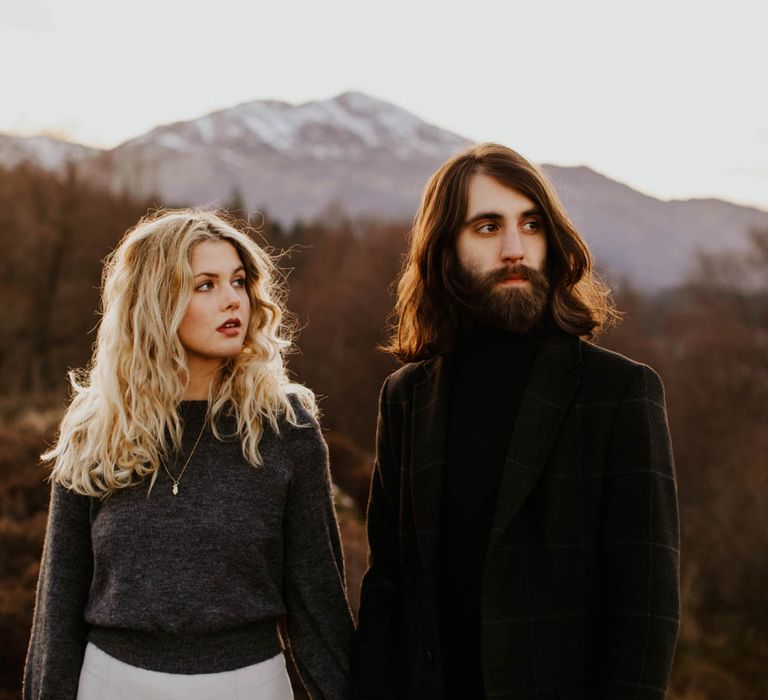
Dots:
(480, 339)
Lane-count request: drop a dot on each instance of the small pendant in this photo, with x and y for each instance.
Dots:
(175, 489)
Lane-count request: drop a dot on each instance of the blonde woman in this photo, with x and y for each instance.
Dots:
(191, 505)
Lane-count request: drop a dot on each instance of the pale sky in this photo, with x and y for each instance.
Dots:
(668, 97)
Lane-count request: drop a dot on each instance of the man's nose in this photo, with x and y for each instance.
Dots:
(512, 247)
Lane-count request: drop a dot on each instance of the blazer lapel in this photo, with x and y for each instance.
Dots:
(548, 394)
(430, 417)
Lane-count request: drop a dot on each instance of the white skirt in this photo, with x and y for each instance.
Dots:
(104, 677)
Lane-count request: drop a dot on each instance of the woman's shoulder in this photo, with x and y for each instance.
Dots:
(303, 403)
(303, 435)
(304, 425)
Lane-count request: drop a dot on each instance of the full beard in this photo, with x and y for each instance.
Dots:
(517, 309)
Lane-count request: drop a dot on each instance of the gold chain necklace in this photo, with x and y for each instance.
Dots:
(176, 481)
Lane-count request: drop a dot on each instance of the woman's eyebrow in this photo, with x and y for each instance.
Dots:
(216, 274)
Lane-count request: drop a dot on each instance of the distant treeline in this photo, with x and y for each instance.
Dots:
(54, 233)
(708, 338)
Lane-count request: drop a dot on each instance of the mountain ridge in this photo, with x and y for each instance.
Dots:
(373, 158)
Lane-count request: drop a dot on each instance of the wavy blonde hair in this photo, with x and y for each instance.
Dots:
(123, 414)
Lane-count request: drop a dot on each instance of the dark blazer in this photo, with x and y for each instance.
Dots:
(580, 589)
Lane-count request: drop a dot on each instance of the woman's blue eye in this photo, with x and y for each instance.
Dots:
(204, 286)
(240, 282)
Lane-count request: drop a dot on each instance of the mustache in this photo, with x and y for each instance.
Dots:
(508, 271)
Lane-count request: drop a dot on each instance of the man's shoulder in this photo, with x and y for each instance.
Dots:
(608, 359)
(611, 368)
(401, 382)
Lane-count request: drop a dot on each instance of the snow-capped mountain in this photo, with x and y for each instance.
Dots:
(366, 154)
(349, 127)
(372, 157)
(43, 151)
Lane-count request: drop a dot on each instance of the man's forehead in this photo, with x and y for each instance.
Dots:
(486, 194)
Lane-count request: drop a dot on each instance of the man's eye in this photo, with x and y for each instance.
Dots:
(532, 225)
(488, 228)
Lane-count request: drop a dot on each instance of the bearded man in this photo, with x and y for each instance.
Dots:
(522, 521)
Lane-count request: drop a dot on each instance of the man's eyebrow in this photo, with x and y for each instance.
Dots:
(495, 216)
(491, 215)
(216, 274)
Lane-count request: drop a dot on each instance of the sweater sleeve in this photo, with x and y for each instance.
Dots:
(641, 547)
(319, 621)
(58, 639)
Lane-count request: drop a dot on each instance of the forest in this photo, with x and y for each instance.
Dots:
(707, 337)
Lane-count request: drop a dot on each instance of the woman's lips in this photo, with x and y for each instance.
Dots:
(229, 331)
(231, 327)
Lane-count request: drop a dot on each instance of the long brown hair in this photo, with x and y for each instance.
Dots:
(426, 311)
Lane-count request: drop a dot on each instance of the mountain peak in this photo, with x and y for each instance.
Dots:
(362, 102)
(348, 127)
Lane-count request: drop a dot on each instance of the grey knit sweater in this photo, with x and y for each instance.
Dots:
(195, 583)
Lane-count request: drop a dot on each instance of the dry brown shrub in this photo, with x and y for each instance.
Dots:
(351, 469)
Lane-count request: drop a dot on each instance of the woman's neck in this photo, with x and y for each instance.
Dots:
(202, 379)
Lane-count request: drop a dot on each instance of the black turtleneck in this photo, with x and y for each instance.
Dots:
(489, 371)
